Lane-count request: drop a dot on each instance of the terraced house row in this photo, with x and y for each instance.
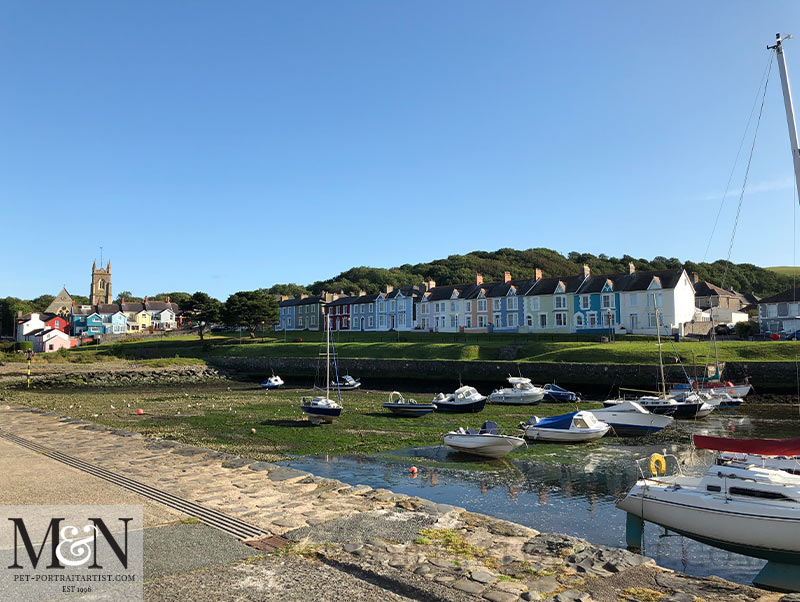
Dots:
(622, 303)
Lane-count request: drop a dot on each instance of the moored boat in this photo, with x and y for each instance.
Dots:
(629, 419)
(521, 392)
(320, 408)
(462, 400)
(552, 392)
(273, 382)
(346, 383)
(567, 428)
(407, 407)
(487, 442)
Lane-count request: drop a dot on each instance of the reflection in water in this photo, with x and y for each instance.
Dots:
(574, 498)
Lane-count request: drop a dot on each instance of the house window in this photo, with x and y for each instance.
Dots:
(371, 322)
(382, 320)
(633, 299)
(454, 321)
(401, 318)
(495, 304)
(468, 305)
(783, 309)
(481, 304)
(424, 308)
(608, 319)
(371, 307)
(481, 321)
(497, 320)
(584, 301)
(542, 320)
(651, 320)
(512, 320)
(608, 301)
(424, 323)
(511, 302)
(592, 320)
(560, 302)
(529, 320)
(535, 303)
(452, 305)
(579, 320)
(561, 319)
(468, 320)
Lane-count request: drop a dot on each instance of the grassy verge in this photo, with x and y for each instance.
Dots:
(220, 417)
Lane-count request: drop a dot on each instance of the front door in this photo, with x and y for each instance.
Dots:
(634, 322)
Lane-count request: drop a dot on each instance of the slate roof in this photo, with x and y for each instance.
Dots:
(638, 281)
(298, 301)
(343, 300)
(706, 289)
(547, 286)
(408, 291)
(787, 296)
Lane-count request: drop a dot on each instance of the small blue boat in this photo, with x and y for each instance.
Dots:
(553, 392)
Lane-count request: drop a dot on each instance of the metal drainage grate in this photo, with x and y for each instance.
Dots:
(269, 544)
(212, 518)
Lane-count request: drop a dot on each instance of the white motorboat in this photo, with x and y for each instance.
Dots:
(713, 388)
(743, 503)
(685, 405)
(567, 428)
(521, 392)
(463, 399)
(346, 383)
(321, 409)
(631, 419)
(487, 442)
(273, 382)
(722, 401)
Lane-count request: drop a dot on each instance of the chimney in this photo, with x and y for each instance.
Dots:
(361, 292)
(586, 271)
(506, 276)
(631, 268)
(284, 297)
(538, 273)
(341, 293)
(145, 299)
(122, 300)
(303, 296)
(167, 298)
(479, 278)
(431, 283)
(695, 277)
(388, 289)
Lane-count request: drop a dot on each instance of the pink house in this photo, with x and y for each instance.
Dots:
(45, 341)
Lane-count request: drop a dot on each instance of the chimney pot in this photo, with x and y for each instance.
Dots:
(506, 276)
(478, 278)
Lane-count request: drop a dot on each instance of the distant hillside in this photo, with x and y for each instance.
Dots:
(785, 270)
(455, 269)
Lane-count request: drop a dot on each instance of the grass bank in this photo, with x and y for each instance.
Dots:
(522, 348)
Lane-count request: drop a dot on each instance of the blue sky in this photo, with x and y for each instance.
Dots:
(224, 146)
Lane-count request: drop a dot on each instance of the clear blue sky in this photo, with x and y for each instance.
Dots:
(224, 146)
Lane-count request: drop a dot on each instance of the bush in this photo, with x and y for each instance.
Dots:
(744, 330)
(23, 346)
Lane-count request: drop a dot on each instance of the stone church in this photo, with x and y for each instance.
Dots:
(101, 285)
(61, 305)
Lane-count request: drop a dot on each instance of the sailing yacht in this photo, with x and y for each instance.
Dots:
(323, 409)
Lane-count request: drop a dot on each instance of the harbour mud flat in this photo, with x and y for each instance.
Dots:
(407, 546)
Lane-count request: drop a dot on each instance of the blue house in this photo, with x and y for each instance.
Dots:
(395, 308)
(116, 323)
(596, 305)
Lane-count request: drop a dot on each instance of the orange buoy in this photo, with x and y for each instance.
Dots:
(140, 411)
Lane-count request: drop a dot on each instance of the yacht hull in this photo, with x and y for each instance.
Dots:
(488, 446)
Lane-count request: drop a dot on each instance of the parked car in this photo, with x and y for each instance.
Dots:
(792, 336)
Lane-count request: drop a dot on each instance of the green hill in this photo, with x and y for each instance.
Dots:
(785, 270)
(455, 269)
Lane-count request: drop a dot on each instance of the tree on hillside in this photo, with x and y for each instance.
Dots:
(80, 299)
(9, 307)
(203, 310)
(251, 309)
(290, 290)
(178, 297)
(41, 302)
(128, 296)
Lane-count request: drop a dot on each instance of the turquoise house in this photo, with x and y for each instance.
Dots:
(596, 306)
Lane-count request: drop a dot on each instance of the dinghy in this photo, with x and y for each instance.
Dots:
(566, 428)
(487, 442)
(553, 392)
(407, 407)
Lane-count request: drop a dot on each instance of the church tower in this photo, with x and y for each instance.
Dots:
(101, 285)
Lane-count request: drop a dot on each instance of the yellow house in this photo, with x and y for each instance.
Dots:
(138, 321)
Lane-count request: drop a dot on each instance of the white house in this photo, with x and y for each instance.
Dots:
(780, 313)
(33, 323)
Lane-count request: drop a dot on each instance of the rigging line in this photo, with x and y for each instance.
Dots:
(738, 153)
(746, 175)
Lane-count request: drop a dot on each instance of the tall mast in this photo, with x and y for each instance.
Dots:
(787, 101)
(660, 360)
(328, 358)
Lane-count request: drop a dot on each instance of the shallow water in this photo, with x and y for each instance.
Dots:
(577, 498)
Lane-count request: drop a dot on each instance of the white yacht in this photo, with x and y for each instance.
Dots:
(521, 392)
(629, 419)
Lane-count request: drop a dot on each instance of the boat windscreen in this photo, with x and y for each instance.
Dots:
(489, 428)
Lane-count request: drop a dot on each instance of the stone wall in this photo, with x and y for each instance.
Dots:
(775, 376)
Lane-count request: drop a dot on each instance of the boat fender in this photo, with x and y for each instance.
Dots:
(658, 465)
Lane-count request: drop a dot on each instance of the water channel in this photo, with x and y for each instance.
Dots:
(576, 497)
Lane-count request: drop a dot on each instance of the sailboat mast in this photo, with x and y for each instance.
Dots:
(328, 358)
(660, 359)
(787, 101)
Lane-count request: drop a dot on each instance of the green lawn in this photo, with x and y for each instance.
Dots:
(528, 348)
(785, 270)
